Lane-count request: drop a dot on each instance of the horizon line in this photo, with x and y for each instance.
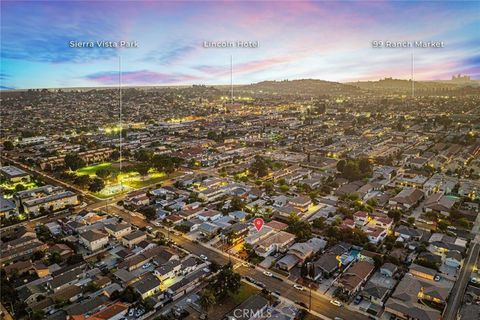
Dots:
(220, 85)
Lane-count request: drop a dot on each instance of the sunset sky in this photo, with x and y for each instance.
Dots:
(328, 40)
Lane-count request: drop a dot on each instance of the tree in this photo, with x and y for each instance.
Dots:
(150, 213)
(19, 187)
(236, 203)
(38, 315)
(207, 299)
(91, 286)
(8, 145)
(411, 220)
(103, 173)
(55, 257)
(259, 167)
(82, 181)
(115, 155)
(268, 187)
(96, 185)
(143, 169)
(225, 283)
(395, 214)
(442, 225)
(319, 223)
(341, 165)
(143, 155)
(74, 259)
(300, 228)
(364, 165)
(73, 161)
(129, 295)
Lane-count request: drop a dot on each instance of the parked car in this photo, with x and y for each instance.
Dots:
(358, 299)
(203, 257)
(267, 273)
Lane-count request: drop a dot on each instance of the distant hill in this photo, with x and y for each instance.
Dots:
(310, 87)
(389, 85)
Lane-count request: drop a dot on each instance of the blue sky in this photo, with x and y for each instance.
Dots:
(298, 39)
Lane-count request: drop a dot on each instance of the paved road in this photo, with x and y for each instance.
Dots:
(320, 304)
(457, 294)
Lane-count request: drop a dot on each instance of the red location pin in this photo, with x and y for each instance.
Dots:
(258, 223)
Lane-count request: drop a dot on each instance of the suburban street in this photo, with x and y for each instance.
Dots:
(321, 305)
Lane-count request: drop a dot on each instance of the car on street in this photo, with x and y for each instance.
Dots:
(203, 257)
(336, 303)
(298, 287)
(267, 273)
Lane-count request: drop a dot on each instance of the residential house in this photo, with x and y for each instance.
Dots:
(148, 286)
(355, 276)
(93, 239)
(411, 297)
(118, 230)
(388, 269)
(326, 265)
(302, 203)
(439, 203)
(168, 270)
(275, 242)
(133, 238)
(453, 259)
(406, 199)
(20, 248)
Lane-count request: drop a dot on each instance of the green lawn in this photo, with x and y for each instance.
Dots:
(138, 182)
(91, 170)
(129, 179)
(244, 292)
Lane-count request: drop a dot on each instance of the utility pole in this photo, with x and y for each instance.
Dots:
(231, 79)
(120, 115)
(413, 72)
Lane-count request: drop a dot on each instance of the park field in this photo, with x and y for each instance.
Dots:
(91, 170)
(122, 182)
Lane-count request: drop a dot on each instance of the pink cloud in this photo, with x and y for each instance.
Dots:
(139, 77)
(246, 67)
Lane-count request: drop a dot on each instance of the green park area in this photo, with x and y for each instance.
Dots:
(91, 170)
(117, 182)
